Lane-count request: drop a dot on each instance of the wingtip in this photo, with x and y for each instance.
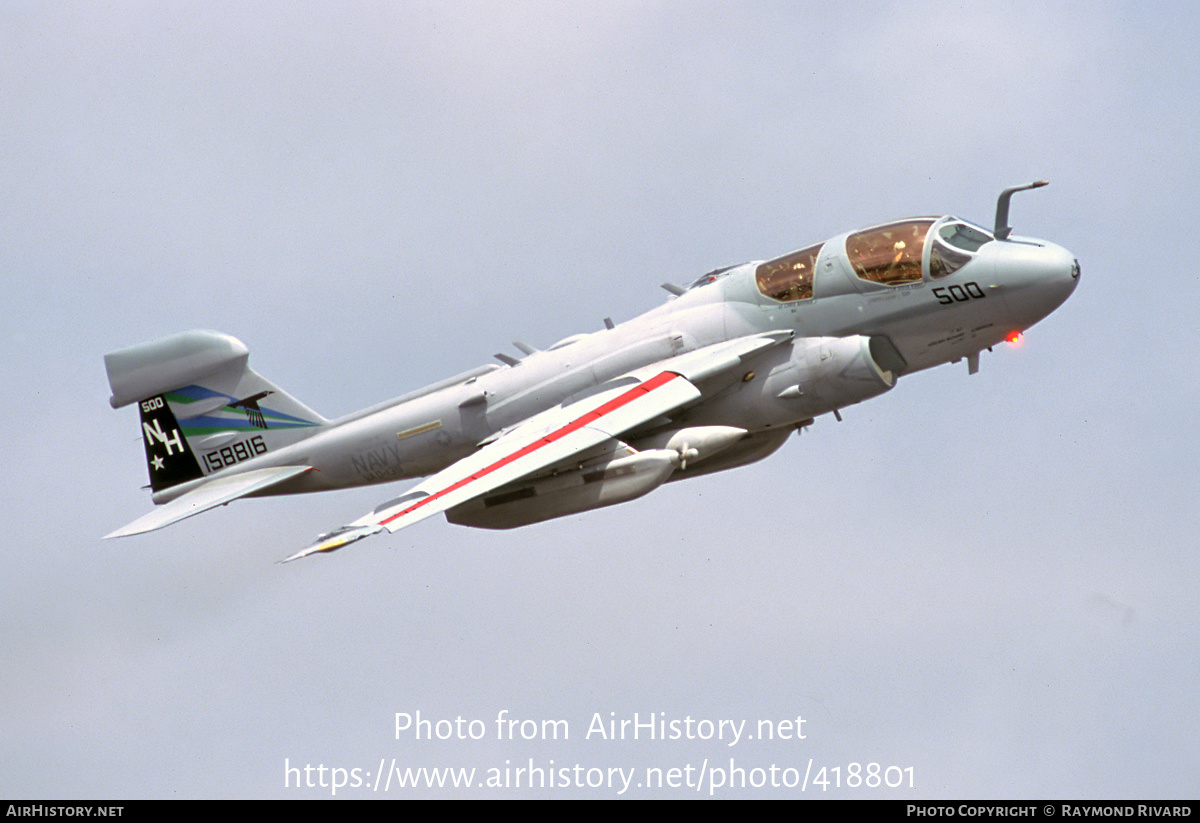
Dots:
(335, 540)
(128, 530)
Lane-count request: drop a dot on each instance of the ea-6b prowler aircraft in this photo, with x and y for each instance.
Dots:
(717, 377)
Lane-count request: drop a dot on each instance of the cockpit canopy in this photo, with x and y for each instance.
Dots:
(955, 242)
(789, 277)
(889, 255)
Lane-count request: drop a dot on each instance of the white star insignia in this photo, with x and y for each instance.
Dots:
(157, 463)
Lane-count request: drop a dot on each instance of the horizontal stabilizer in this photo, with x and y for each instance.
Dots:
(209, 495)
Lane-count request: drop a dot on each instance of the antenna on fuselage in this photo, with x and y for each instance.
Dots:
(1003, 230)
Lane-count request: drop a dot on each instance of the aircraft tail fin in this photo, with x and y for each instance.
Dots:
(202, 407)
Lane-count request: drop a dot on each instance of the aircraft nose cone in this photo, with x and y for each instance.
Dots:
(1062, 274)
(1039, 277)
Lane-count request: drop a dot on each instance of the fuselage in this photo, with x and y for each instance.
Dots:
(887, 301)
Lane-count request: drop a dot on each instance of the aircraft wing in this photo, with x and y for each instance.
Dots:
(539, 442)
(552, 437)
(209, 495)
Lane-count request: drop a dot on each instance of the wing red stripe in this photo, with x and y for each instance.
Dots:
(591, 417)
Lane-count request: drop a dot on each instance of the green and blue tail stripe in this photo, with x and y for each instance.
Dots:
(234, 414)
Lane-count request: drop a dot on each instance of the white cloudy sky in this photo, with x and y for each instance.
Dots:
(991, 580)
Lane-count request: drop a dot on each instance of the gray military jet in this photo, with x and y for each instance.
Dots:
(717, 377)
